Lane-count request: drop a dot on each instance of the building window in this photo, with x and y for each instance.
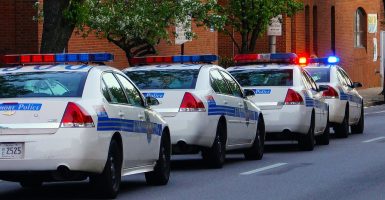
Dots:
(307, 29)
(360, 28)
(333, 30)
(315, 31)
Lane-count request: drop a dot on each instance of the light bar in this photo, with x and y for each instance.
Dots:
(303, 61)
(326, 60)
(173, 59)
(57, 58)
(266, 58)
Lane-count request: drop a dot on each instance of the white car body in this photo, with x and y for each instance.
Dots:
(198, 129)
(46, 145)
(285, 120)
(347, 95)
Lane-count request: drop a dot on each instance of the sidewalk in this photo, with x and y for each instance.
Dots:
(372, 96)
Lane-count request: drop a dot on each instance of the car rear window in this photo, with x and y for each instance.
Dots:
(42, 84)
(319, 75)
(264, 77)
(165, 79)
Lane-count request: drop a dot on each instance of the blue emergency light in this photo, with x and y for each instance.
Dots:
(57, 58)
(326, 60)
(173, 59)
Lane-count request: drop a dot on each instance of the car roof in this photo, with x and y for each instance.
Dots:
(164, 67)
(263, 66)
(52, 68)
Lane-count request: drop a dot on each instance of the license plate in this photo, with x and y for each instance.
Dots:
(11, 150)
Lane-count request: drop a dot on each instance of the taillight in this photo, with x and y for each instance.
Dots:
(76, 117)
(191, 103)
(330, 93)
(293, 98)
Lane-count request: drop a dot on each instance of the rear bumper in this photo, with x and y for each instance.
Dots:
(193, 128)
(79, 149)
(289, 119)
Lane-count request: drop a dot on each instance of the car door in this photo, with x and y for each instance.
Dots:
(354, 100)
(243, 132)
(144, 139)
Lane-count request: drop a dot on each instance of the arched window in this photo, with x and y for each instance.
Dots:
(315, 30)
(333, 30)
(360, 28)
(307, 29)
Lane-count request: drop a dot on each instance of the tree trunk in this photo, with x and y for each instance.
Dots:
(56, 29)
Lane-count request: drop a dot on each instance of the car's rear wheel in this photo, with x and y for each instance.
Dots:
(161, 173)
(31, 183)
(359, 127)
(216, 155)
(256, 151)
(306, 142)
(324, 138)
(108, 183)
(342, 130)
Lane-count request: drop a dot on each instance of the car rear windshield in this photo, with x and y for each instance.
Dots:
(42, 84)
(320, 75)
(264, 77)
(165, 79)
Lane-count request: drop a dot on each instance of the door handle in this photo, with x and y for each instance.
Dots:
(240, 105)
(121, 114)
(141, 117)
(225, 102)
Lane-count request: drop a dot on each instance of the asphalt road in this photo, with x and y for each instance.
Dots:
(352, 168)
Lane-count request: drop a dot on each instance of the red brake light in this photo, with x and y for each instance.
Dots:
(191, 103)
(293, 98)
(76, 117)
(330, 93)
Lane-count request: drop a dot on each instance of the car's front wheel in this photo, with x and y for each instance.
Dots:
(306, 142)
(256, 151)
(216, 155)
(359, 127)
(342, 130)
(324, 138)
(161, 173)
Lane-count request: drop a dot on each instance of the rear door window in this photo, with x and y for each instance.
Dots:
(234, 87)
(133, 95)
(218, 83)
(164, 79)
(115, 90)
(42, 84)
(264, 77)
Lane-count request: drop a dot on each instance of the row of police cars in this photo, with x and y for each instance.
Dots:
(65, 119)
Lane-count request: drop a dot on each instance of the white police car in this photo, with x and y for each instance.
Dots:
(290, 100)
(204, 106)
(345, 104)
(69, 122)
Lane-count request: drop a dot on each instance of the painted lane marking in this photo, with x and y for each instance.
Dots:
(263, 169)
(374, 139)
(375, 112)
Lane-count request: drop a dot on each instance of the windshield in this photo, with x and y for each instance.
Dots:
(165, 79)
(42, 84)
(264, 77)
(320, 75)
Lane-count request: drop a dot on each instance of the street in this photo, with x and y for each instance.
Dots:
(352, 168)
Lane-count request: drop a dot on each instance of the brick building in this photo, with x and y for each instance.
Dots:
(324, 27)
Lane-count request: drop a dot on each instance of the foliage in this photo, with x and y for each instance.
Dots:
(226, 62)
(250, 19)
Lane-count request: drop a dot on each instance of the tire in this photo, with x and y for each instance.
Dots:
(359, 127)
(256, 151)
(324, 138)
(216, 155)
(306, 142)
(161, 173)
(31, 184)
(342, 130)
(108, 182)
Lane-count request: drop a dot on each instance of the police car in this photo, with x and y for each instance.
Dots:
(203, 104)
(62, 122)
(346, 105)
(292, 103)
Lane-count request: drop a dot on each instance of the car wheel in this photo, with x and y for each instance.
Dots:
(342, 130)
(31, 183)
(108, 182)
(324, 138)
(306, 142)
(161, 173)
(359, 127)
(256, 151)
(216, 155)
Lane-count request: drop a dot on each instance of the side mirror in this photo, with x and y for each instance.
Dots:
(356, 85)
(249, 92)
(151, 101)
(323, 88)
